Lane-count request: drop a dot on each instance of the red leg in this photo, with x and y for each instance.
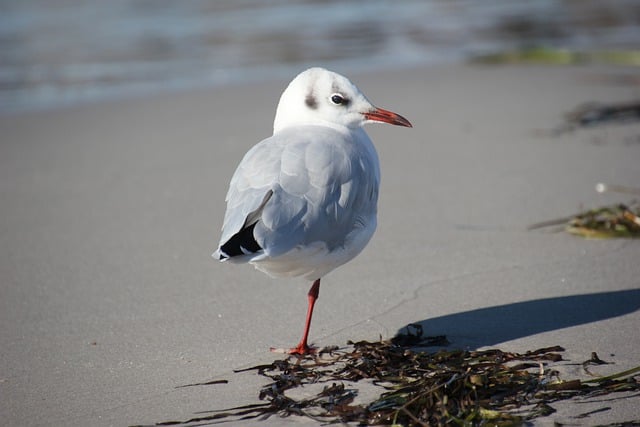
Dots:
(303, 347)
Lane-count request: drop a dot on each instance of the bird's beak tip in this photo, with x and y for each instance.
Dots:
(386, 116)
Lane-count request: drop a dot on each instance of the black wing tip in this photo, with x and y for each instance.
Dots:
(241, 243)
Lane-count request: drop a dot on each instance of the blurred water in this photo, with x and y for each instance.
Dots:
(60, 52)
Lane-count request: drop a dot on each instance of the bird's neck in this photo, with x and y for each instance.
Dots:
(277, 126)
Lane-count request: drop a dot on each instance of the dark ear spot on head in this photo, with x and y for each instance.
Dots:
(311, 101)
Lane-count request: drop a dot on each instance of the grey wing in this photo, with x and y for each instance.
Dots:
(249, 190)
(299, 188)
(327, 186)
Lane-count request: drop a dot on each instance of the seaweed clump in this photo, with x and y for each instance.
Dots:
(420, 388)
(607, 222)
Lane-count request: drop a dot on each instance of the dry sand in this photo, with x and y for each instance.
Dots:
(108, 214)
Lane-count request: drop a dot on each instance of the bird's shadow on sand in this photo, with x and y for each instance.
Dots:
(492, 325)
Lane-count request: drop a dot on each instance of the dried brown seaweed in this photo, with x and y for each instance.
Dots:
(607, 222)
(595, 113)
(615, 221)
(420, 388)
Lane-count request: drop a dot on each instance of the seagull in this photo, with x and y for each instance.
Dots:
(304, 201)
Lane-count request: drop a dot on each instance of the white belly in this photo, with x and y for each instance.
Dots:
(315, 260)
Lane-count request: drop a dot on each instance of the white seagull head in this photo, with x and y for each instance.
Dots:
(321, 97)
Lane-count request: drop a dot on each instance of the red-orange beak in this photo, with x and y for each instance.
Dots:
(385, 116)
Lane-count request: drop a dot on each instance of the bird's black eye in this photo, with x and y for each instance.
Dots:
(338, 99)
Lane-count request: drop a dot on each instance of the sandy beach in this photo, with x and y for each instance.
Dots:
(109, 299)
